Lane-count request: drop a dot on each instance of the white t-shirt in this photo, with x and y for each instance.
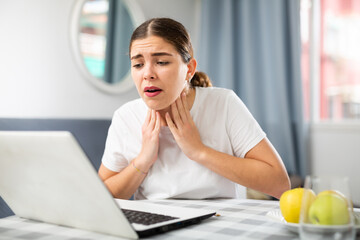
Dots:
(224, 124)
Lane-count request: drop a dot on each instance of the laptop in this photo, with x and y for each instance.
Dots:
(46, 176)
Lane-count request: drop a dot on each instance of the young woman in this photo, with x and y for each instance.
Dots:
(184, 138)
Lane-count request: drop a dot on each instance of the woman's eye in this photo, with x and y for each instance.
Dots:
(163, 63)
(138, 65)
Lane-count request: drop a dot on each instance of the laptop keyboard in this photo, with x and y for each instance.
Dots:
(145, 218)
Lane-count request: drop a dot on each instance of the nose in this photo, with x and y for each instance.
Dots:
(149, 73)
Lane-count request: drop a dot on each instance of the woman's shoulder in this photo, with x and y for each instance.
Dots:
(214, 93)
(133, 107)
(222, 99)
(215, 90)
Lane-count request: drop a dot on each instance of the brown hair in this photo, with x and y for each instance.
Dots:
(174, 33)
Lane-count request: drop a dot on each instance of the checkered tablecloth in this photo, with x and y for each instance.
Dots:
(238, 219)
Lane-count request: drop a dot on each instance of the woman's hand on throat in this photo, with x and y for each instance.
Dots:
(184, 129)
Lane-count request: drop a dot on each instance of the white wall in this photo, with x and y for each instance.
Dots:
(335, 150)
(38, 74)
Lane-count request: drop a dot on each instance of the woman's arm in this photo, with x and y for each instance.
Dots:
(123, 184)
(261, 169)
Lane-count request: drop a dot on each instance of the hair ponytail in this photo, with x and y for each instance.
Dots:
(200, 79)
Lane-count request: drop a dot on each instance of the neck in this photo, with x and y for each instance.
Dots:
(190, 98)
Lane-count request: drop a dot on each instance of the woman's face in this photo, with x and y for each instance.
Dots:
(158, 72)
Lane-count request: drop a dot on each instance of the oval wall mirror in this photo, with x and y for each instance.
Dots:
(100, 36)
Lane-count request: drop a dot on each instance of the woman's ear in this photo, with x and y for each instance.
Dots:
(191, 68)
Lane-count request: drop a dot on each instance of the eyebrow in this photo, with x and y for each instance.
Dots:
(153, 55)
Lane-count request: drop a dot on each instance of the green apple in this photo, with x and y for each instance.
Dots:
(329, 208)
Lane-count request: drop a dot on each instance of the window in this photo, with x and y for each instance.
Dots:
(330, 37)
(92, 37)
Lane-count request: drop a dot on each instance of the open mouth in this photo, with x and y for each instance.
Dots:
(152, 91)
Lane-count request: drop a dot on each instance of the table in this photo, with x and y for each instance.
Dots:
(239, 219)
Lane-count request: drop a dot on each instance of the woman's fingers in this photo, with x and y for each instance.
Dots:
(184, 131)
(170, 123)
(175, 114)
(152, 122)
(157, 123)
(150, 137)
(187, 114)
(148, 115)
(152, 119)
(181, 109)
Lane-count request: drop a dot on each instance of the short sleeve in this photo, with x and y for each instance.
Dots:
(242, 128)
(115, 146)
